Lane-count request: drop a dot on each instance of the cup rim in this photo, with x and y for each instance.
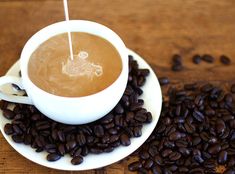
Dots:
(72, 22)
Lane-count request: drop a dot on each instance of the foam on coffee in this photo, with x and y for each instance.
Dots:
(96, 64)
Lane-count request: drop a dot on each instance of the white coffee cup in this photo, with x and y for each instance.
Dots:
(69, 110)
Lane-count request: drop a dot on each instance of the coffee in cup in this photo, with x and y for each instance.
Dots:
(96, 65)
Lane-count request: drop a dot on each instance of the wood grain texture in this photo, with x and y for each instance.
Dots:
(155, 29)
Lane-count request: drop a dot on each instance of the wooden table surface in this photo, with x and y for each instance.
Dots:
(155, 29)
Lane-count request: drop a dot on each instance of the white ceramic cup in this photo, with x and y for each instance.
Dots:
(69, 110)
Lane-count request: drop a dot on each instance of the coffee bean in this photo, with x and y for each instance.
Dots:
(198, 115)
(134, 166)
(196, 59)
(220, 126)
(8, 129)
(225, 60)
(158, 160)
(164, 81)
(77, 160)
(214, 149)
(208, 58)
(177, 59)
(17, 138)
(144, 155)
(99, 131)
(166, 152)
(177, 67)
(125, 140)
(9, 114)
(222, 158)
(148, 164)
(137, 131)
(70, 145)
(156, 170)
(174, 156)
(175, 136)
(81, 139)
(231, 162)
(53, 157)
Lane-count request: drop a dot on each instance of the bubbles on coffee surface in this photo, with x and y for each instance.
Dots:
(81, 66)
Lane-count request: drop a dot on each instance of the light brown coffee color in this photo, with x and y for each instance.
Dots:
(96, 65)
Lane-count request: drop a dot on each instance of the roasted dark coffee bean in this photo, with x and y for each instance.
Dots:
(196, 141)
(137, 131)
(99, 131)
(164, 81)
(198, 115)
(223, 157)
(174, 156)
(166, 152)
(70, 145)
(158, 160)
(134, 166)
(175, 136)
(77, 160)
(148, 164)
(176, 59)
(177, 67)
(61, 149)
(81, 139)
(8, 129)
(208, 58)
(167, 171)
(198, 159)
(225, 60)
(125, 140)
(144, 155)
(184, 151)
(9, 114)
(61, 136)
(156, 170)
(214, 149)
(119, 109)
(18, 138)
(231, 162)
(220, 126)
(53, 157)
(153, 150)
(196, 59)
(183, 169)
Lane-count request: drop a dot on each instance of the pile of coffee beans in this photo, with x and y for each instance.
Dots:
(195, 133)
(125, 121)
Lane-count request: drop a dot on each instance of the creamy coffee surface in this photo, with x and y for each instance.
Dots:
(96, 65)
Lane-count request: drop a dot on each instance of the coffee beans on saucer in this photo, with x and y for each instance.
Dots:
(125, 121)
(195, 133)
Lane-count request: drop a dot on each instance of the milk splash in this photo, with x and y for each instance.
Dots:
(81, 66)
(66, 13)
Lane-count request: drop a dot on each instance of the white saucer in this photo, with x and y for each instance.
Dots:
(153, 102)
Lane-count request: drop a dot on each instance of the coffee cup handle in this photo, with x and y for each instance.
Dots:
(10, 97)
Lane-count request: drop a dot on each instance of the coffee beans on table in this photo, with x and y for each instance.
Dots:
(225, 60)
(208, 58)
(176, 63)
(164, 80)
(196, 59)
(195, 133)
(124, 122)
